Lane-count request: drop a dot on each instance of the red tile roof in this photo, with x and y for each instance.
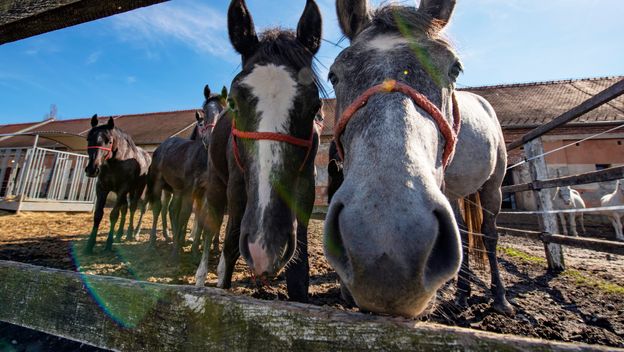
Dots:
(533, 104)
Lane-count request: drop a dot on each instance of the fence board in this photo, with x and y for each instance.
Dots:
(610, 174)
(21, 19)
(184, 318)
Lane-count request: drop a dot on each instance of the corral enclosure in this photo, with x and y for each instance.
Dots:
(583, 304)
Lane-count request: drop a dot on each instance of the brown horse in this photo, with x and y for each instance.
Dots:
(178, 166)
(120, 167)
(261, 157)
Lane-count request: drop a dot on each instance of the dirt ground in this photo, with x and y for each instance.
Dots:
(583, 304)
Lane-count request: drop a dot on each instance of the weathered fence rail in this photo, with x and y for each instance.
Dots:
(610, 174)
(534, 153)
(577, 242)
(21, 19)
(121, 314)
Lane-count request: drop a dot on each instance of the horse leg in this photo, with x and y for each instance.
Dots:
(114, 215)
(174, 210)
(156, 208)
(491, 199)
(134, 202)
(214, 209)
(618, 233)
(123, 210)
(97, 218)
(582, 222)
(573, 225)
(298, 270)
(166, 203)
(237, 199)
(198, 228)
(142, 210)
(463, 277)
(186, 206)
(564, 227)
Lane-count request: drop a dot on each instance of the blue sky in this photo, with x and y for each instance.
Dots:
(159, 58)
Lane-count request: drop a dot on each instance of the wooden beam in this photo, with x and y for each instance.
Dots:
(610, 174)
(585, 243)
(578, 242)
(590, 104)
(21, 19)
(128, 315)
(548, 222)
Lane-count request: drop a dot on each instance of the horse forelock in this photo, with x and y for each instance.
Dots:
(281, 46)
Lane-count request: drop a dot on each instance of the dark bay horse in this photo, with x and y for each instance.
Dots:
(261, 158)
(178, 166)
(120, 167)
(392, 227)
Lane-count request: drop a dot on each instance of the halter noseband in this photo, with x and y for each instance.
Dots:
(449, 132)
(272, 136)
(109, 153)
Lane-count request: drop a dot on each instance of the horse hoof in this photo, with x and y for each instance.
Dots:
(504, 307)
(88, 251)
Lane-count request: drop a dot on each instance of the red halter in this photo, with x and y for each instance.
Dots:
(109, 153)
(449, 132)
(271, 136)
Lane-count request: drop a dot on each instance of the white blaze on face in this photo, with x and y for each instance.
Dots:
(386, 42)
(275, 90)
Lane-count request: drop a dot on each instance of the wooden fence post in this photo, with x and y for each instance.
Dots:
(548, 222)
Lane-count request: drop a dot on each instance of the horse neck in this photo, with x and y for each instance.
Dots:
(124, 147)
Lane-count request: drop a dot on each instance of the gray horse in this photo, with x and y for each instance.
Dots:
(392, 227)
(120, 167)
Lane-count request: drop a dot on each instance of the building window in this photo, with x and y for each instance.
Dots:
(602, 166)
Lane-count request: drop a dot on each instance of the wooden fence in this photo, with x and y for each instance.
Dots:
(534, 153)
(121, 314)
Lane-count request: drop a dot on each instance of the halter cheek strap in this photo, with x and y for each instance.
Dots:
(271, 136)
(449, 132)
(109, 151)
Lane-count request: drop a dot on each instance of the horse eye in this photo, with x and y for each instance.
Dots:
(332, 78)
(456, 69)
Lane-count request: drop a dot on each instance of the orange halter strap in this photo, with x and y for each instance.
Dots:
(449, 132)
(271, 136)
(109, 153)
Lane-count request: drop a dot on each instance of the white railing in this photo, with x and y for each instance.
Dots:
(44, 174)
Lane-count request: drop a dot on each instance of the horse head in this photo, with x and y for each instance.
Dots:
(275, 99)
(100, 145)
(390, 232)
(213, 107)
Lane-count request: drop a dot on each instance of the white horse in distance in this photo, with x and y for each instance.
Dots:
(614, 199)
(568, 198)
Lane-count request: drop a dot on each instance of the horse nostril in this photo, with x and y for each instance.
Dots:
(334, 246)
(445, 256)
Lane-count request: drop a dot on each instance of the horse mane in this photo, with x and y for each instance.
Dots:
(397, 18)
(283, 43)
(124, 136)
(195, 133)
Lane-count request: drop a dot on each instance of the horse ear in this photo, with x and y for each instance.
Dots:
(353, 16)
(206, 91)
(241, 29)
(197, 116)
(224, 93)
(310, 27)
(111, 123)
(441, 10)
(94, 120)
